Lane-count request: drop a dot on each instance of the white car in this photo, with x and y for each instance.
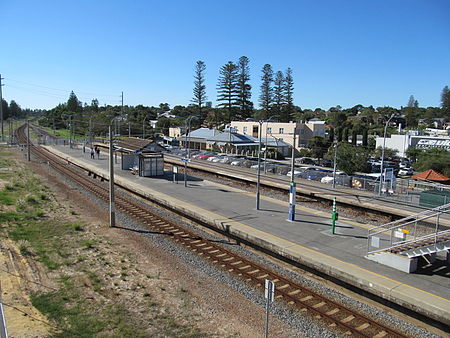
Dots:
(237, 162)
(406, 172)
(296, 173)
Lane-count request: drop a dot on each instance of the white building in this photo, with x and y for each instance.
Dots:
(283, 131)
(401, 143)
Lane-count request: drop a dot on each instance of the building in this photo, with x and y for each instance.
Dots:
(229, 141)
(282, 131)
(402, 143)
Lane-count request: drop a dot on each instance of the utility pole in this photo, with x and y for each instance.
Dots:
(1, 105)
(112, 207)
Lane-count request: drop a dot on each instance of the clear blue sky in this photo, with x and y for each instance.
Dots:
(343, 52)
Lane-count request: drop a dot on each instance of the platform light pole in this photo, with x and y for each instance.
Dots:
(258, 172)
(292, 192)
(187, 139)
(335, 165)
(382, 154)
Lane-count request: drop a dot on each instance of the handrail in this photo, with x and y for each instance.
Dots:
(435, 210)
(413, 220)
(415, 240)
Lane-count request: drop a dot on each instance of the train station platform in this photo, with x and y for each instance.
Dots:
(307, 240)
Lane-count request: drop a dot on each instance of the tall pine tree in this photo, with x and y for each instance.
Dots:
(227, 92)
(200, 88)
(445, 101)
(278, 94)
(266, 95)
(244, 88)
(289, 109)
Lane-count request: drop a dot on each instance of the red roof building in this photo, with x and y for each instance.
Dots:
(431, 175)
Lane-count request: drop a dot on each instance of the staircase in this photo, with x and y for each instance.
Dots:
(399, 244)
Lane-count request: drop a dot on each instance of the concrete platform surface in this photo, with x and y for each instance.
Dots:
(307, 240)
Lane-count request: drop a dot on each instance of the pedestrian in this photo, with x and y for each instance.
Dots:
(84, 147)
(98, 152)
(92, 153)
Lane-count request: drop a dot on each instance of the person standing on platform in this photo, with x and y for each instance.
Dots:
(92, 153)
(97, 150)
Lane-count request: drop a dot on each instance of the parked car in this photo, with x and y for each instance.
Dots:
(237, 162)
(205, 156)
(406, 172)
(341, 178)
(327, 163)
(305, 160)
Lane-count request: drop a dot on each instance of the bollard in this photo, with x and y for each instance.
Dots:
(334, 216)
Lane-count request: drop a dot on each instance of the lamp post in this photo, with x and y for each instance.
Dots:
(382, 153)
(258, 175)
(335, 165)
(292, 192)
(187, 139)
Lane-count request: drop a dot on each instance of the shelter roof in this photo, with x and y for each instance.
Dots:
(431, 175)
(135, 144)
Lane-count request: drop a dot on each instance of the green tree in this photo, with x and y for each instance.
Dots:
(266, 95)
(445, 101)
(331, 134)
(14, 109)
(199, 88)
(413, 153)
(278, 94)
(5, 109)
(350, 158)
(354, 136)
(437, 159)
(288, 109)
(319, 146)
(244, 88)
(388, 152)
(365, 137)
(73, 104)
(227, 92)
(412, 102)
(345, 135)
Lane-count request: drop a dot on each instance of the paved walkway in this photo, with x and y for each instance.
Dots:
(311, 230)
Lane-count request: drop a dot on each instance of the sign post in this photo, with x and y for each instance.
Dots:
(269, 292)
(292, 195)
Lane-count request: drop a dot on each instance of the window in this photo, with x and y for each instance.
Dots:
(269, 130)
(245, 130)
(281, 131)
(255, 131)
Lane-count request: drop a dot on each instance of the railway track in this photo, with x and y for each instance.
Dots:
(337, 316)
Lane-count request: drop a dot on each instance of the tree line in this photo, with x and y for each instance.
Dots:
(234, 93)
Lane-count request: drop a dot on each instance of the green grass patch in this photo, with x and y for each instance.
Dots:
(6, 198)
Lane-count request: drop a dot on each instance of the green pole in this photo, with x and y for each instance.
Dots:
(334, 216)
